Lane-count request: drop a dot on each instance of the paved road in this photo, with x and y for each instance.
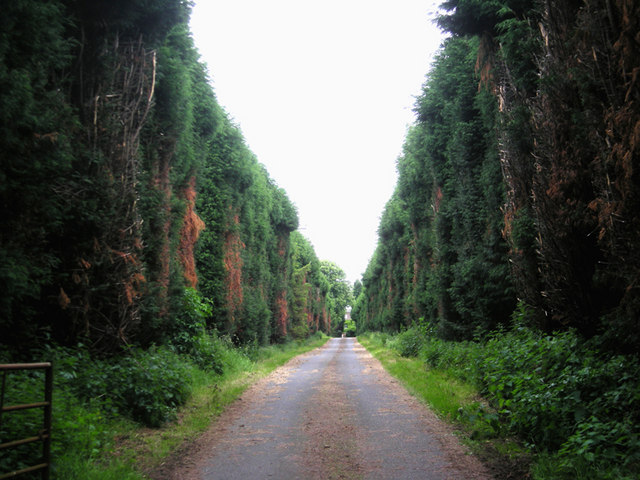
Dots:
(332, 414)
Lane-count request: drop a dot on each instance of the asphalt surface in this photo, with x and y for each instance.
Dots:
(335, 414)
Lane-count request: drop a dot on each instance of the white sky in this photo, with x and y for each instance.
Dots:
(323, 92)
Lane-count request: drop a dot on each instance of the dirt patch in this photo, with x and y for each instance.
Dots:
(502, 466)
(332, 450)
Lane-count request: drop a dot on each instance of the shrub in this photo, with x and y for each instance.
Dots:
(149, 385)
(207, 352)
(520, 370)
(299, 331)
(408, 343)
(377, 338)
(458, 359)
(189, 324)
(79, 428)
(562, 395)
(189, 335)
(349, 328)
(613, 442)
(21, 387)
(145, 386)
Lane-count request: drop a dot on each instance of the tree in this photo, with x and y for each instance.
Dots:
(339, 295)
(556, 110)
(36, 152)
(357, 288)
(440, 253)
(115, 156)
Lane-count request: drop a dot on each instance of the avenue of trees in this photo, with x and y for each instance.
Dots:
(124, 186)
(518, 180)
(138, 228)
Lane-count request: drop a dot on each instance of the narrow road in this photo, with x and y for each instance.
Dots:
(333, 413)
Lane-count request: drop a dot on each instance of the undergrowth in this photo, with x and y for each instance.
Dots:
(102, 407)
(574, 408)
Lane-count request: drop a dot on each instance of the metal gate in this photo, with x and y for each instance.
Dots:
(44, 435)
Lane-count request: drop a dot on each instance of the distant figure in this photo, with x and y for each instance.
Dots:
(343, 335)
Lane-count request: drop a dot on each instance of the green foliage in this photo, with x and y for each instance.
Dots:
(145, 386)
(190, 322)
(87, 416)
(555, 392)
(80, 428)
(442, 250)
(190, 336)
(408, 343)
(72, 467)
(554, 109)
(339, 294)
(445, 394)
(36, 151)
(311, 304)
(237, 198)
(284, 216)
(207, 352)
(576, 407)
(300, 296)
(523, 231)
(440, 254)
(469, 16)
(604, 443)
(484, 421)
(379, 339)
(98, 184)
(110, 133)
(349, 328)
(21, 387)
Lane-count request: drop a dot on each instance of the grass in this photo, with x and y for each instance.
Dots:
(444, 394)
(134, 450)
(457, 402)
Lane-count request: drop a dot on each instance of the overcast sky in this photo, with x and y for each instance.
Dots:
(323, 92)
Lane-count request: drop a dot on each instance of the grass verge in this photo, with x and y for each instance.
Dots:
(445, 395)
(457, 402)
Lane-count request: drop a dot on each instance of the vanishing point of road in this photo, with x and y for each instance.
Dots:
(333, 413)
